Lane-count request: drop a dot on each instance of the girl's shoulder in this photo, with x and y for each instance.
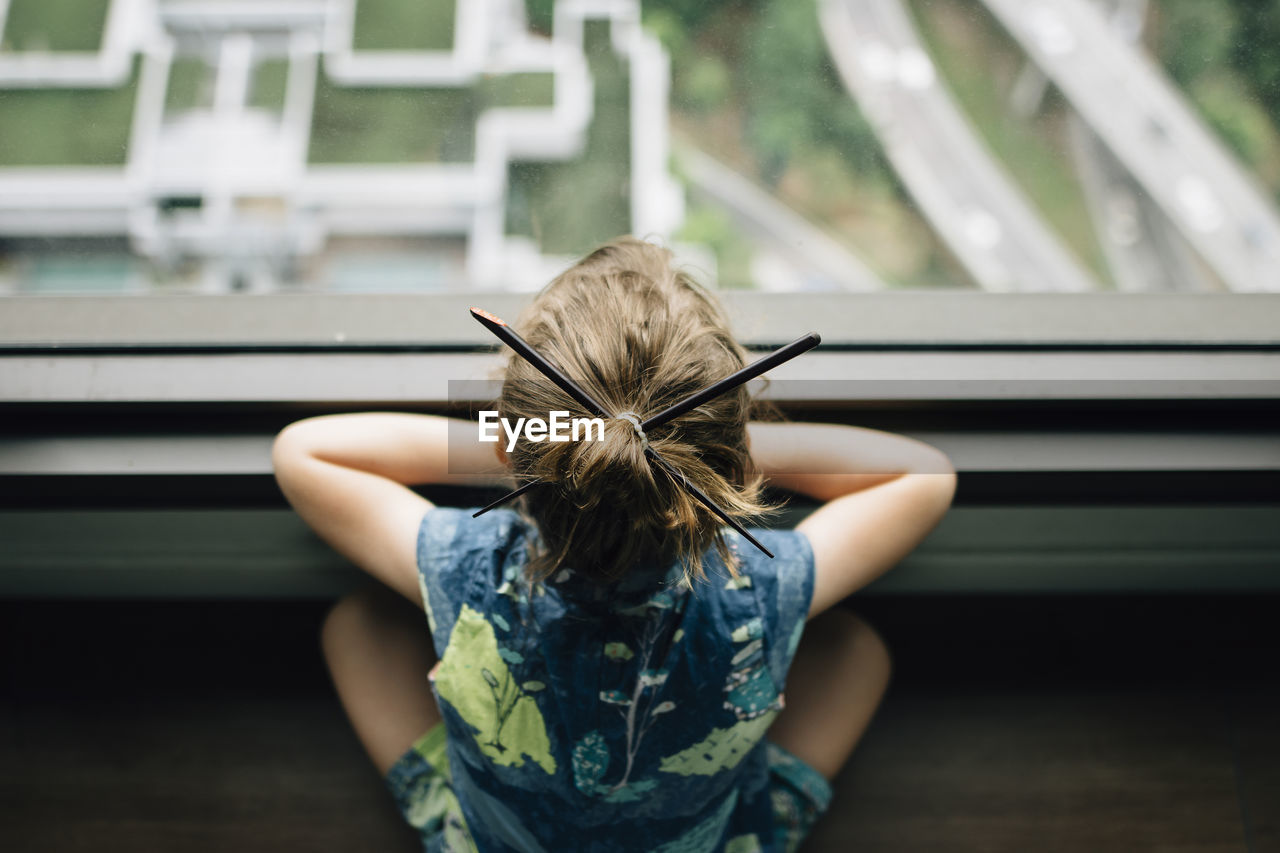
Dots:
(768, 599)
(449, 532)
(464, 560)
(480, 562)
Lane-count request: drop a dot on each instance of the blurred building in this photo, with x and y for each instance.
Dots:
(224, 145)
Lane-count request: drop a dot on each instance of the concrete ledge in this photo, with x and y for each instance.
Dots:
(313, 321)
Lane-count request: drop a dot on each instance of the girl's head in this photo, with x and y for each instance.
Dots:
(639, 336)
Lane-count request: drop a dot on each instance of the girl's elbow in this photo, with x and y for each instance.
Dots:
(948, 487)
(280, 446)
(943, 486)
(287, 447)
(944, 476)
(937, 488)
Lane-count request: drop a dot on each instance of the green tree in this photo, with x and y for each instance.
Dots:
(694, 13)
(1239, 120)
(1256, 50)
(1197, 36)
(794, 97)
(539, 14)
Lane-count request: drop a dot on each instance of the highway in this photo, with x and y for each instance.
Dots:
(1134, 109)
(821, 262)
(972, 203)
(1144, 249)
(1145, 252)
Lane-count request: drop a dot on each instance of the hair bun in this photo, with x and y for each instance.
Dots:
(639, 337)
(611, 470)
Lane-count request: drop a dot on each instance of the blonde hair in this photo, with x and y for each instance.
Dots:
(639, 336)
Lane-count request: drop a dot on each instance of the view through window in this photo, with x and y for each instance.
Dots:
(215, 146)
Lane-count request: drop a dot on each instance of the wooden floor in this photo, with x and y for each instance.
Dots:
(1057, 724)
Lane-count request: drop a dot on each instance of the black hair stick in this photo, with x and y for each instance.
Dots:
(508, 497)
(733, 380)
(509, 337)
(703, 499)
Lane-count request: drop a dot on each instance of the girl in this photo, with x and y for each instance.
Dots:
(605, 668)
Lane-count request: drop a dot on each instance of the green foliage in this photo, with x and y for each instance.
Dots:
(692, 14)
(404, 24)
(570, 207)
(71, 25)
(391, 125)
(705, 85)
(712, 227)
(1256, 53)
(66, 127)
(190, 85)
(1198, 35)
(794, 98)
(532, 89)
(1238, 120)
(539, 14)
(270, 79)
(1226, 56)
(670, 30)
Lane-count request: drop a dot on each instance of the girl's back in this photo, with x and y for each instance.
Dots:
(624, 717)
(608, 660)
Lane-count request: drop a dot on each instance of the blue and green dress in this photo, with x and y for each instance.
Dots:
(579, 717)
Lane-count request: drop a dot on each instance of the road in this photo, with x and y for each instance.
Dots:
(1145, 251)
(1130, 104)
(821, 262)
(972, 203)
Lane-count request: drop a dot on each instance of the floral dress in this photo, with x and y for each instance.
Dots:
(579, 717)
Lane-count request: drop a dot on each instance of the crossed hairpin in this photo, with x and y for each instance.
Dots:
(544, 366)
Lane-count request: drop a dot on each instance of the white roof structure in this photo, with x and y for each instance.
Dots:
(249, 200)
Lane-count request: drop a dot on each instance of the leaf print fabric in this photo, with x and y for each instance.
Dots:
(631, 717)
(618, 651)
(418, 783)
(474, 679)
(704, 835)
(720, 750)
(590, 761)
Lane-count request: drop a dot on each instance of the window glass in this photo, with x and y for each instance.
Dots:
(428, 146)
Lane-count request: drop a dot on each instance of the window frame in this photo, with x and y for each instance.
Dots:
(437, 322)
(140, 429)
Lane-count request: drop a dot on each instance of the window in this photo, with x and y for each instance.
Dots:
(1020, 238)
(432, 146)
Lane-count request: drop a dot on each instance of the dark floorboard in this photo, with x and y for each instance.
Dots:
(193, 774)
(1041, 770)
(1257, 716)
(1043, 724)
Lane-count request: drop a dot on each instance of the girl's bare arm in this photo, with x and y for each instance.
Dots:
(883, 494)
(348, 477)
